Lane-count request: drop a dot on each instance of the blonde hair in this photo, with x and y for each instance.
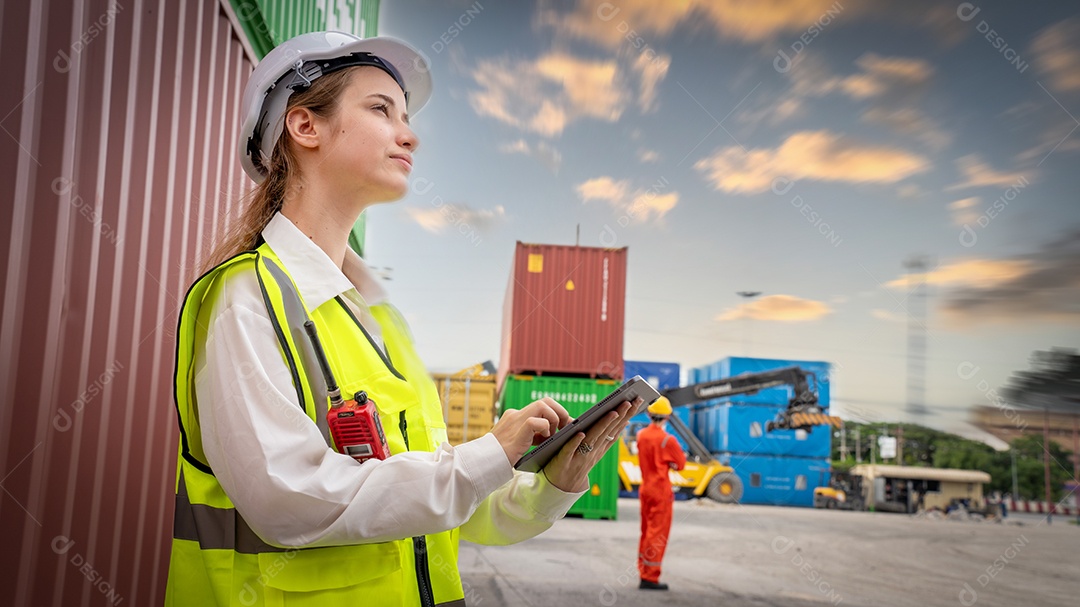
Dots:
(283, 177)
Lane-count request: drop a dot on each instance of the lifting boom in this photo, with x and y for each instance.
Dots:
(802, 413)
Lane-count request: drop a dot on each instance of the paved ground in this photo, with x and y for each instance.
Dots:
(759, 555)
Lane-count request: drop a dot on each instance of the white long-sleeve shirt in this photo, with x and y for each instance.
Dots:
(275, 466)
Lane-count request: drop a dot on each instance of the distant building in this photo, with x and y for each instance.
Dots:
(910, 488)
(1008, 424)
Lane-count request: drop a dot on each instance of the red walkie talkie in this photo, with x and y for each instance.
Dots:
(354, 424)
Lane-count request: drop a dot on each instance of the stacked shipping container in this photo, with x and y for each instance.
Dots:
(778, 480)
(577, 395)
(738, 365)
(563, 312)
(563, 338)
(662, 376)
(781, 467)
(468, 405)
(740, 428)
(119, 169)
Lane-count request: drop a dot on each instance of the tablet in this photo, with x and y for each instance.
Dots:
(635, 387)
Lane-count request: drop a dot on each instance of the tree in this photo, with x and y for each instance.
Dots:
(1031, 471)
(1053, 382)
(924, 446)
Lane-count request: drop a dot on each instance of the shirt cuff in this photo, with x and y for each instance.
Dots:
(550, 502)
(487, 464)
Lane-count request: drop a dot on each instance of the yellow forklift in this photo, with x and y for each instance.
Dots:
(703, 475)
(844, 492)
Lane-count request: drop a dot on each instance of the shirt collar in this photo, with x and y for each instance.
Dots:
(316, 276)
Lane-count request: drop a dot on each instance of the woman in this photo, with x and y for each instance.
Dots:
(267, 512)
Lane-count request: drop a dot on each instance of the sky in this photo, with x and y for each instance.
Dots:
(803, 149)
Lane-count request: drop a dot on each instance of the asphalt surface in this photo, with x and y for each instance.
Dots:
(761, 555)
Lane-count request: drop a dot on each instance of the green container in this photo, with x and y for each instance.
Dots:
(577, 395)
(268, 23)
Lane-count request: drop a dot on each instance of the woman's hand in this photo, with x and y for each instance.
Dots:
(569, 469)
(519, 429)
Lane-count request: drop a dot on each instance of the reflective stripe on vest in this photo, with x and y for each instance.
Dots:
(216, 557)
(214, 528)
(296, 313)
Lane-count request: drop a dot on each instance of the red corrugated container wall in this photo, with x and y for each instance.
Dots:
(118, 168)
(564, 311)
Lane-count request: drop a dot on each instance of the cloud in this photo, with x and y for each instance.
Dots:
(782, 308)
(887, 89)
(437, 219)
(515, 147)
(1054, 129)
(964, 203)
(896, 79)
(651, 73)
(769, 109)
(886, 76)
(542, 151)
(940, 19)
(1057, 55)
(887, 316)
(652, 205)
(647, 155)
(1047, 289)
(608, 24)
(893, 86)
(602, 188)
(1056, 138)
(641, 205)
(819, 155)
(910, 121)
(979, 273)
(585, 84)
(910, 191)
(978, 174)
(963, 210)
(545, 95)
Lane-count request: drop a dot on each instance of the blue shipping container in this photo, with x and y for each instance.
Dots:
(661, 375)
(778, 481)
(642, 419)
(738, 365)
(740, 428)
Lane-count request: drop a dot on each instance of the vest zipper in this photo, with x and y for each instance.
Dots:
(423, 576)
(423, 573)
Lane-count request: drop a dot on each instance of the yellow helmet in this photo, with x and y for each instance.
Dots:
(662, 406)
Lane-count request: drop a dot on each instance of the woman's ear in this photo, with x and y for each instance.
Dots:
(303, 127)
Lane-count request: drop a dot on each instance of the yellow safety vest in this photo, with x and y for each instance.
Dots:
(216, 558)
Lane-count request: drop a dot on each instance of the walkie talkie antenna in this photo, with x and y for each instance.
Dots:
(331, 385)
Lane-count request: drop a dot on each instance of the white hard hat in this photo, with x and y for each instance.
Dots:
(295, 63)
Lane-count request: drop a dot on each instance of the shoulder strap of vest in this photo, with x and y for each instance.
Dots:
(295, 348)
(187, 323)
(296, 315)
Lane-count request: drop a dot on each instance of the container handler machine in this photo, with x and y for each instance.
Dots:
(703, 475)
(844, 492)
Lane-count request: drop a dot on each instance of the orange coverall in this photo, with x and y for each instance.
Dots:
(658, 452)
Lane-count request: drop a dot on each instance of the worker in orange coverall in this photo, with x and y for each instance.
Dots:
(658, 452)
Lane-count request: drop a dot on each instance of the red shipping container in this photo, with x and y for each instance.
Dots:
(564, 312)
